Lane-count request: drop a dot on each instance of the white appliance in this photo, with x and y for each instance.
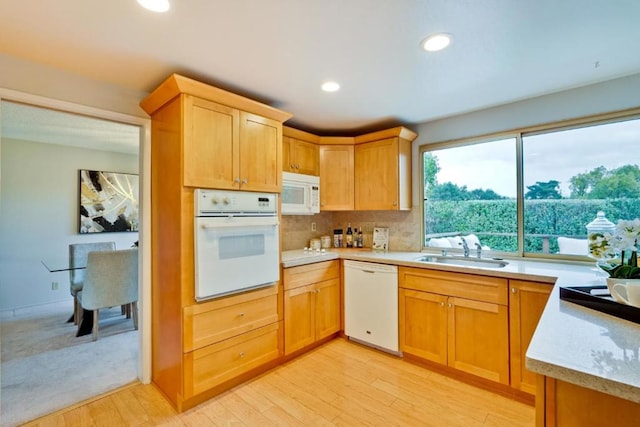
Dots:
(371, 304)
(236, 242)
(300, 194)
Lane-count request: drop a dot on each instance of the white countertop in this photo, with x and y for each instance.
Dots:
(571, 343)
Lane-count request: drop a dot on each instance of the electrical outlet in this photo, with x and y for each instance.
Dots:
(54, 286)
(313, 226)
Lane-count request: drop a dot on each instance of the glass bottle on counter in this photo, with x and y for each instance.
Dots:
(349, 236)
(359, 239)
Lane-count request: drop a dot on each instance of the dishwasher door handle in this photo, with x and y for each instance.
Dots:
(368, 271)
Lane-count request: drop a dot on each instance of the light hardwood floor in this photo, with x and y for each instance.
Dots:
(340, 383)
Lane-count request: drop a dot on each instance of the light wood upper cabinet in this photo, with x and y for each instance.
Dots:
(460, 320)
(211, 144)
(260, 153)
(526, 304)
(230, 149)
(300, 152)
(383, 170)
(300, 156)
(336, 178)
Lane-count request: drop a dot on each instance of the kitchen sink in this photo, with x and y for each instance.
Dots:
(464, 261)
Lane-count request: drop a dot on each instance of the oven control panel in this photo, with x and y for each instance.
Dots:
(226, 202)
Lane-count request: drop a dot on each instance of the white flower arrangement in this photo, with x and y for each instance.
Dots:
(625, 238)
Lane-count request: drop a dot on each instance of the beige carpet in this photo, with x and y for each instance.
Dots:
(46, 368)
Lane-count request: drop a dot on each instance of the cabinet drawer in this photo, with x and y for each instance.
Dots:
(295, 277)
(470, 286)
(217, 320)
(210, 366)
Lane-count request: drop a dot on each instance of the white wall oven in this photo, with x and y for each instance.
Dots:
(236, 242)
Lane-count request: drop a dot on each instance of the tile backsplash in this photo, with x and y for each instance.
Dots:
(404, 227)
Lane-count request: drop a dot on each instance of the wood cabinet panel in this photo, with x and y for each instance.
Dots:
(376, 175)
(526, 304)
(211, 143)
(303, 275)
(327, 308)
(299, 318)
(478, 338)
(337, 178)
(423, 325)
(212, 365)
(563, 404)
(260, 153)
(217, 320)
(300, 156)
(452, 326)
(471, 286)
(311, 303)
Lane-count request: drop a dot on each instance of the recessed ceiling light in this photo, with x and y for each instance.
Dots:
(330, 86)
(436, 42)
(155, 5)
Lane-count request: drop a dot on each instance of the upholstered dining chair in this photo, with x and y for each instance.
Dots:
(78, 258)
(111, 280)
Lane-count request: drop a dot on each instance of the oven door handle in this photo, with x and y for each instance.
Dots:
(254, 223)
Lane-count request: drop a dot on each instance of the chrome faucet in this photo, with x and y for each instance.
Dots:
(465, 247)
(478, 250)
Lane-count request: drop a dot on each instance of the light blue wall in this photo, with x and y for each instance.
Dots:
(39, 216)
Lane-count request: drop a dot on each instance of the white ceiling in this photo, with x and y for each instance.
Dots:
(280, 51)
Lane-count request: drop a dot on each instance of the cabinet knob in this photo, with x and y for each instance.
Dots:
(237, 180)
(241, 315)
(298, 166)
(394, 203)
(442, 304)
(244, 180)
(514, 290)
(450, 305)
(292, 166)
(241, 354)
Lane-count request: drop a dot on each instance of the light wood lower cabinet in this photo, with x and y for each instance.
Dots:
(311, 304)
(227, 337)
(212, 365)
(563, 404)
(466, 329)
(526, 303)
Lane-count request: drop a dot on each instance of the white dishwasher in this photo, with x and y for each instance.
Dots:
(371, 304)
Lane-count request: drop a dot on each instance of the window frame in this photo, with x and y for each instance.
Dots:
(518, 134)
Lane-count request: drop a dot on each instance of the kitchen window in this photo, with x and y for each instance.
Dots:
(531, 192)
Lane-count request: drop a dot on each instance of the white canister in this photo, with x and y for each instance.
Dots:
(325, 242)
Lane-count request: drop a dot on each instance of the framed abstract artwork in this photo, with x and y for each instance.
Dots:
(108, 201)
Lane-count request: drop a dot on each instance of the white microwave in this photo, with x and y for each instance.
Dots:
(300, 194)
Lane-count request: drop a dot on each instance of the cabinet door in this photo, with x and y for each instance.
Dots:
(299, 318)
(327, 308)
(376, 175)
(260, 153)
(211, 135)
(479, 338)
(288, 160)
(306, 157)
(336, 178)
(526, 303)
(423, 325)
